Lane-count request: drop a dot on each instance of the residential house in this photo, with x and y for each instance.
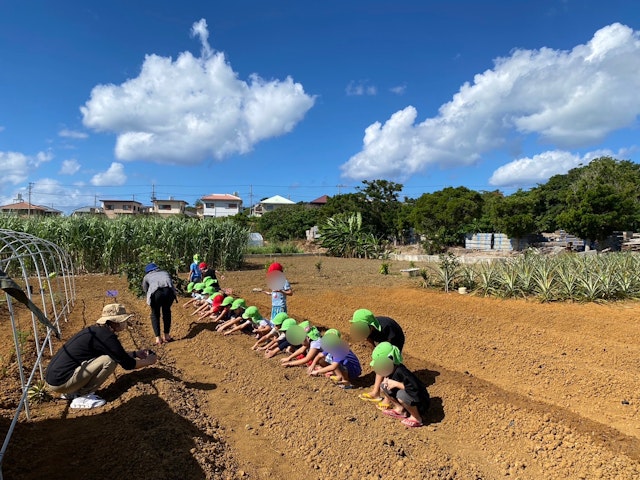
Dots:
(24, 209)
(220, 205)
(113, 208)
(270, 204)
(319, 202)
(169, 207)
(82, 211)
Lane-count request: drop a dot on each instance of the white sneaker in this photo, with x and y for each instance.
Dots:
(87, 401)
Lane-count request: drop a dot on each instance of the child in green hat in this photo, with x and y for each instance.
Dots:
(208, 294)
(196, 294)
(270, 335)
(310, 348)
(224, 312)
(251, 317)
(406, 395)
(281, 343)
(235, 315)
(375, 330)
(337, 360)
(195, 274)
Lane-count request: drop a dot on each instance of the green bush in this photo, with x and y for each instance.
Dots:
(343, 236)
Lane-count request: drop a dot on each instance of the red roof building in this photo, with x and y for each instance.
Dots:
(26, 209)
(221, 205)
(320, 201)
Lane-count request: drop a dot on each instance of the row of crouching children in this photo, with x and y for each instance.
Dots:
(397, 392)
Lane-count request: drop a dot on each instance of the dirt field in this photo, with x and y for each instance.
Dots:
(520, 390)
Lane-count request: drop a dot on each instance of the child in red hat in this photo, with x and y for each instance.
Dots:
(280, 289)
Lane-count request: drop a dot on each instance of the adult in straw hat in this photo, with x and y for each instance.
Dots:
(87, 359)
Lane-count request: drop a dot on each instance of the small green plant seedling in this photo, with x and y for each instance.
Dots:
(38, 393)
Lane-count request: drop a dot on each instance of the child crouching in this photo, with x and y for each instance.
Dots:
(336, 359)
(406, 395)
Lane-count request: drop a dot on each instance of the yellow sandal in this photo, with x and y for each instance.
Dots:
(368, 398)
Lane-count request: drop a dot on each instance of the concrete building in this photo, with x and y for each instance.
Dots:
(220, 205)
(169, 207)
(113, 208)
(270, 204)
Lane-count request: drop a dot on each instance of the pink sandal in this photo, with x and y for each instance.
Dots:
(390, 412)
(411, 423)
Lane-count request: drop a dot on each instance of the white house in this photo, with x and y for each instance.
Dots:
(220, 205)
(88, 210)
(168, 207)
(270, 204)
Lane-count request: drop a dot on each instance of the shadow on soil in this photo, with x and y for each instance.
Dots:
(142, 438)
(196, 327)
(146, 376)
(435, 413)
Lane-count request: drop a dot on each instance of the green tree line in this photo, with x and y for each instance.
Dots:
(590, 201)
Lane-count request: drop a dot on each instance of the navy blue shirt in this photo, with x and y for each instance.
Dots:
(412, 384)
(89, 343)
(389, 331)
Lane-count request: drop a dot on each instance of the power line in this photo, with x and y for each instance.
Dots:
(192, 193)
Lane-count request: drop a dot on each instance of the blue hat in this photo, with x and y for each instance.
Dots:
(150, 267)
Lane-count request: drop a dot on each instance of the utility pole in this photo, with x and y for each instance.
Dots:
(250, 200)
(340, 186)
(153, 192)
(29, 205)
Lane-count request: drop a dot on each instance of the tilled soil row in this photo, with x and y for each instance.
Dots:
(519, 389)
(151, 427)
(486, 432)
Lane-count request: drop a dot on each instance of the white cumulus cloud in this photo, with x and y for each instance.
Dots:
(69, 167)
(16, 166)
(185, 110)
(49, 192)
(200, 30)
(42, 157)
(566, 98)
(399, 89)
(539, 168)
(113, 176)
(361, 88)
(66, 133)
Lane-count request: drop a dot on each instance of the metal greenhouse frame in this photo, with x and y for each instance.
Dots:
(40, 275)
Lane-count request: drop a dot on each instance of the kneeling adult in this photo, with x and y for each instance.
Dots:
(87, 359)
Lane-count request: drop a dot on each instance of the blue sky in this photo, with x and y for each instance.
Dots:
(106, 99)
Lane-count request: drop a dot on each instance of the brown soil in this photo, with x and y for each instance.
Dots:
(520, 390)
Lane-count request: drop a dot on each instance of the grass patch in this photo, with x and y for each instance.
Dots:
(284, 247)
